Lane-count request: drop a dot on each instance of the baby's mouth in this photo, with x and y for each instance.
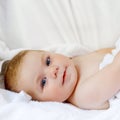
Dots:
(64, 75)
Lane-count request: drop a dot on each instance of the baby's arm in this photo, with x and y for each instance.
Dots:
(95, 92)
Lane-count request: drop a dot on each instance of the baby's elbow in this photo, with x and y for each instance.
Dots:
(103, 106)
(94, 105)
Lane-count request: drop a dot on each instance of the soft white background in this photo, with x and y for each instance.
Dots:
(41, 23)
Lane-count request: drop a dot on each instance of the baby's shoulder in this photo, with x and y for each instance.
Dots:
(104, 50)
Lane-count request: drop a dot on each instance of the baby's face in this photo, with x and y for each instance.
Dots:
(47, 76)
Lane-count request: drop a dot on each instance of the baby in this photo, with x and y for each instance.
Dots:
(50, 76)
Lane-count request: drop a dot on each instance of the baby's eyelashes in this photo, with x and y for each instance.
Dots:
(48, 61)
(43, 82)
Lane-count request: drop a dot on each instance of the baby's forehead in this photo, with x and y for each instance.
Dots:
(32, 57)
(33, 53)
(37, 53)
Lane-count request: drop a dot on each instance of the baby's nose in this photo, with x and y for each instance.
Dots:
(54, 71)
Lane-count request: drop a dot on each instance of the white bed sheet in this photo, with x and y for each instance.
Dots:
(20, 107)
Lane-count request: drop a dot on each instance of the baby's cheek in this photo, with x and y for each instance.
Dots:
(57, 94)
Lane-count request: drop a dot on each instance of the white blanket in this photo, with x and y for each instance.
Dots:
(19, 106)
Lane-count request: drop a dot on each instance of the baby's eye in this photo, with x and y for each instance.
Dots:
(43, 81)
(48, 61)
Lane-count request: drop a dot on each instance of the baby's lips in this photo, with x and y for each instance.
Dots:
(64, 75)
